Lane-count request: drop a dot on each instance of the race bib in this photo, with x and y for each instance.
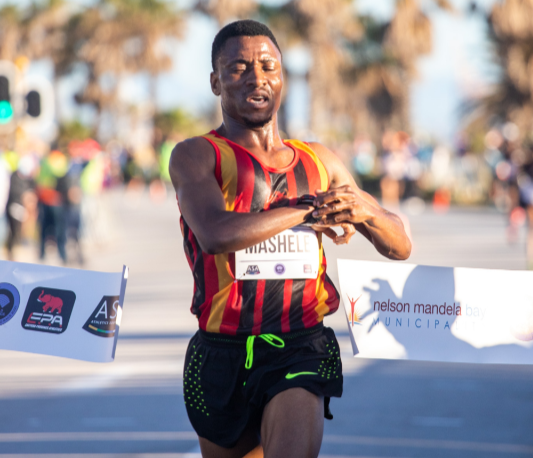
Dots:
(291, 254)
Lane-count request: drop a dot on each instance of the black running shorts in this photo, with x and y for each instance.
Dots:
(223, 397)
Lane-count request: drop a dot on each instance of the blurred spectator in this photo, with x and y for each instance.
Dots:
(5, 173)
(525, 185)
(395, 158)
(52, 191)
(21, 201)
(164, 158)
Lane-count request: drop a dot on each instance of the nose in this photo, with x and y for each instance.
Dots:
(256, 76)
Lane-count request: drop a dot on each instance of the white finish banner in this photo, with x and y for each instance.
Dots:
(293, 253)
(60, 312)
(407, 311)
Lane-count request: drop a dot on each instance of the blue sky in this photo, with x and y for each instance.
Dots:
(458, 66)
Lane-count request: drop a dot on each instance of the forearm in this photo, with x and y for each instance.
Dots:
(385, 230)
(232, 231)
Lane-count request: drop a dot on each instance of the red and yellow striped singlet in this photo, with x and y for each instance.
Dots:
(224, 305)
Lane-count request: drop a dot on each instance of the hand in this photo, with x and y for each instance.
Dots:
(349, 231)
(340, 205)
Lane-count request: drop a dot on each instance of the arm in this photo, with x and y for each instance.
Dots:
(202, 204)
(346, 202)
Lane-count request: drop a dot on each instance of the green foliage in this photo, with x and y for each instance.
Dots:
(72, 130)
(152, 8)
(179, 122)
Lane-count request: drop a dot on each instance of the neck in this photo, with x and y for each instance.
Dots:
(265, 137)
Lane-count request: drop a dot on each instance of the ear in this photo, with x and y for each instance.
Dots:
(215, 84)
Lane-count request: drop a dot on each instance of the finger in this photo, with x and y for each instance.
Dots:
(349, 231)
(334, 196)
(318, 192)
(329, 233)
(337, 218)
(335, 208)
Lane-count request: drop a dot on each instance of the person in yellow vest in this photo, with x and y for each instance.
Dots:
(52, 192)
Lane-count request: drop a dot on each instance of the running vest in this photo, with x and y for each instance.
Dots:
(227, 306)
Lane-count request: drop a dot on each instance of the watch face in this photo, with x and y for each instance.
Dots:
(307, 199)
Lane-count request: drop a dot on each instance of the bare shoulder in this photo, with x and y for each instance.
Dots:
(324, 153)
(337, 172)
(191, 158)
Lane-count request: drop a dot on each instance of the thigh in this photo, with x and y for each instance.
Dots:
(248, 446)
(294, 413)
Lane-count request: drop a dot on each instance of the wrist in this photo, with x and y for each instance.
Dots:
(308, 201)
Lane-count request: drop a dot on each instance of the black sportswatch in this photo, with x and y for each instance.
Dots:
(308, 199)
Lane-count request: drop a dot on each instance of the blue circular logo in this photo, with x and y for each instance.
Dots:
(9, 302)
(279, 268)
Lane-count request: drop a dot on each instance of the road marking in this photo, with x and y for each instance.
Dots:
(429, 443)
(329, 438)
(100, 436)
(95, 382)
(108, 422)
(115, 455)
(193, 454)
(440, 422)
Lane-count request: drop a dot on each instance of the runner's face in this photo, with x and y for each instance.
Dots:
(249, 80)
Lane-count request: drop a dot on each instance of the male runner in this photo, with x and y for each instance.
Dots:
(260, 371)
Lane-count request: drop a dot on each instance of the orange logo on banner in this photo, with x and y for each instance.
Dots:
(353, 316)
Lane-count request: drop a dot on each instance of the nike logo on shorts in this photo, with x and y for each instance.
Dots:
(289, 375)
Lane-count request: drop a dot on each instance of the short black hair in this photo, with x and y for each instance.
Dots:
(243, 28)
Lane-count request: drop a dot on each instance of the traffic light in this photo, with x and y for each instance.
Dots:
(37, 104)
(33, 104)
(8, 98)
(6, 108)
(26, 101)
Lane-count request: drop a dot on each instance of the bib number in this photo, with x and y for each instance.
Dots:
(291, 254)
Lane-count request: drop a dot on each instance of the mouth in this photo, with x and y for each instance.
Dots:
(258, 100)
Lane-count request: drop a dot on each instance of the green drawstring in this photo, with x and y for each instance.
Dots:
(268, 338)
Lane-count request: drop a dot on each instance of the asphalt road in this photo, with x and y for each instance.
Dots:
(134, 406)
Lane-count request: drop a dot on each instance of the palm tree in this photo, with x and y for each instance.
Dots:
(45, 36)
(361, 70)
(116, 38)
(225, 10)
(384, 66)
(10, 32)
(321, 26)
(511, 99)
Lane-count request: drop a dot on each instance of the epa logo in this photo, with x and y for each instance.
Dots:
(253, 270)
(48, 310)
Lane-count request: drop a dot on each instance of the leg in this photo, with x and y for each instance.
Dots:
(529, 238)
(12, 235)
(293, 425)
(44, 220)
(61, 231)
(247, 447)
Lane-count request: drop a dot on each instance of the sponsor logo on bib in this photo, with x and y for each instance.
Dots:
(279, 269)
(253, 270)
